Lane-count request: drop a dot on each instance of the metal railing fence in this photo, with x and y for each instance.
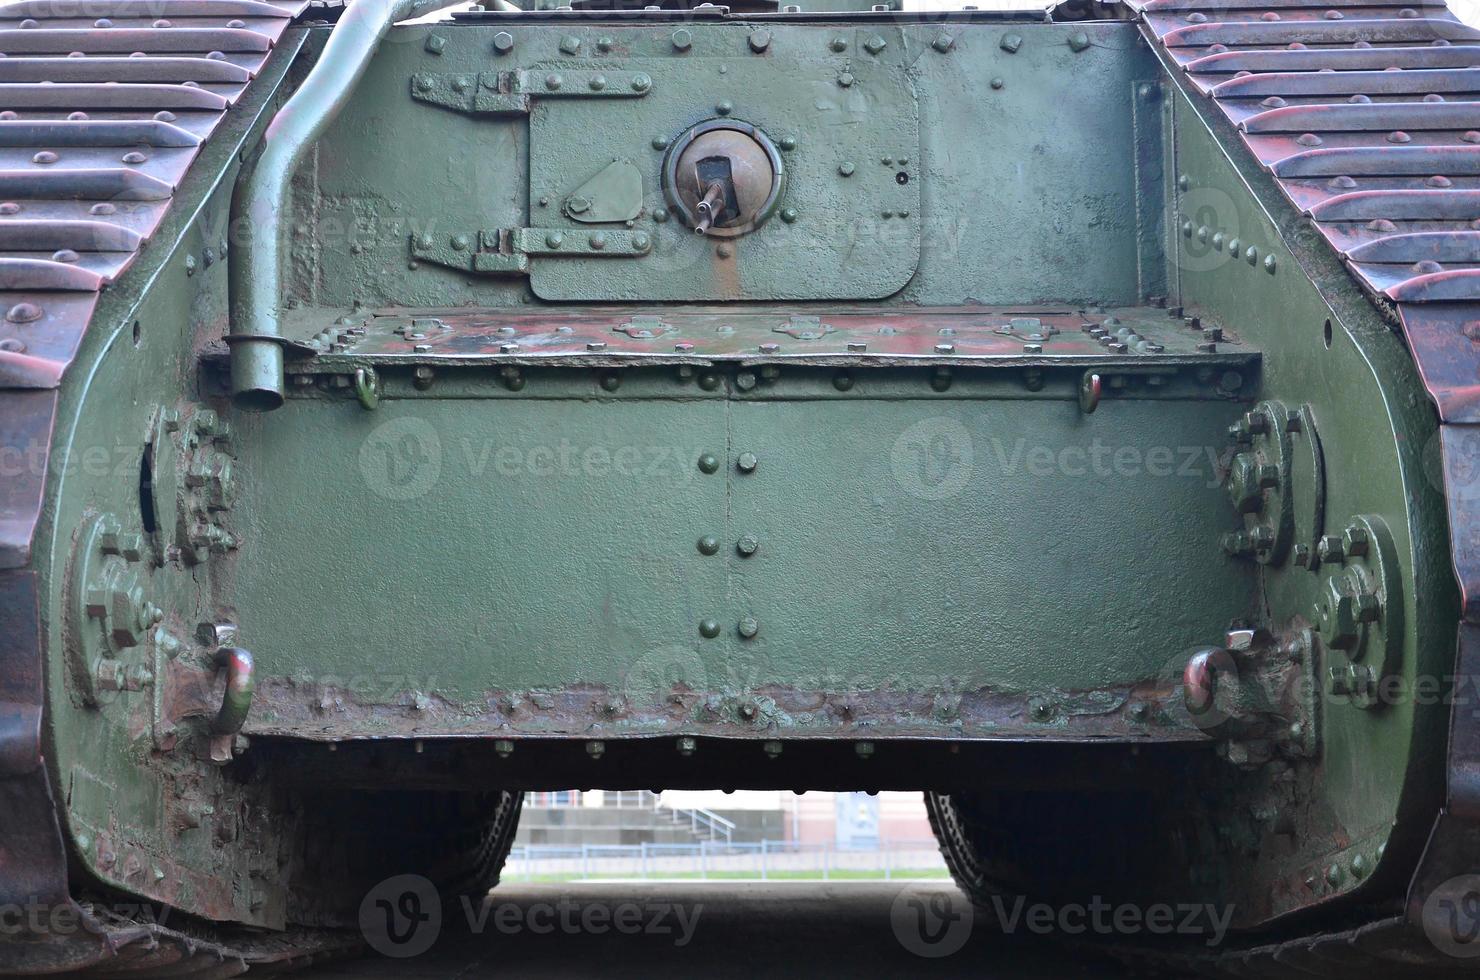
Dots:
(762, 860)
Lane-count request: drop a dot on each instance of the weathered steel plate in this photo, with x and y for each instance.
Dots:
(954, 335)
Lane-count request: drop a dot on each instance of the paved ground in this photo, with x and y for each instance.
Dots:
(708, 929)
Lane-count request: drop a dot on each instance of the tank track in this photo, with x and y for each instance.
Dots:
(147, 949)
(1384, 946)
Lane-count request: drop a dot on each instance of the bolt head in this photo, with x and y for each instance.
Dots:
(874, 44)
(1368, 607)
(1354, 541)
(943, 43)
(1340, 627)
(1330, 549)
(758, 41)
(503, 42)
(682, 39)
(747, 545)
(746, 462)
(748, 627)
(1244, 487)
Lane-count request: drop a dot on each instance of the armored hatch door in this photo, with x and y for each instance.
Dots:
(844, 223)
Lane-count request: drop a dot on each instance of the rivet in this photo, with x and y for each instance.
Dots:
(611, 381)
(725, 108)
(788, 215)
(604, 43)
(1251, 254)
(598, 240)
(997, 83)
(709, 545)
(745, 380)
(682, 39)
(724, 251)
(503, 42)
(596, 345)
(640, 241)
(709, 381)
(686, 746)
(554, 239)
(597, 83)
(838, 43)
(945, 348)
(45, 156)
(1078, 42)
(553, 81)
(846, 168)
(23, 313)
(596, 749)
(770, 348)
(641, 83)
(708, 463)
(842, 381)
(1269, 264)
(708, 628)
(787, 143)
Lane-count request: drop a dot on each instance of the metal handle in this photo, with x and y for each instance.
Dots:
(1200, 678)
(241, 682)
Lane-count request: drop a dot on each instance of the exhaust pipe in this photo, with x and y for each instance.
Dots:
(261, 201)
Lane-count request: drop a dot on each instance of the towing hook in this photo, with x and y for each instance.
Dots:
(241, 682)
(1200, 678)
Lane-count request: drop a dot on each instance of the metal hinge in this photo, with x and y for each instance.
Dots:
(506, 252)
(509, 92)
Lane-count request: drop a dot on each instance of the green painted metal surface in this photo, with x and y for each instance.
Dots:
(863, 514)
